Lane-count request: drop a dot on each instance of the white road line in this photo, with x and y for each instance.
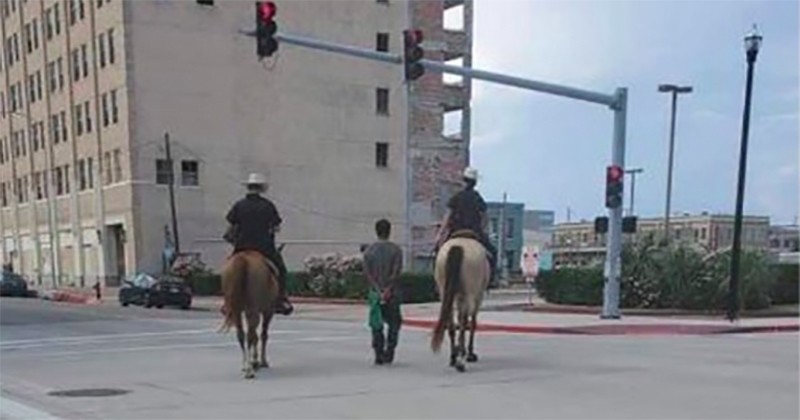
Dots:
(31, 343)
(231, 343)
(12, 410)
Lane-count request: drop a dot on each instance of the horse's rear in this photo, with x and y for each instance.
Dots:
(250, 288)
(462, 274)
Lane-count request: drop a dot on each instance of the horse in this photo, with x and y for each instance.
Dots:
(462, 274)
(250, 288)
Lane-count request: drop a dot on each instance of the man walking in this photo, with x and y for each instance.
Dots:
(383, 262)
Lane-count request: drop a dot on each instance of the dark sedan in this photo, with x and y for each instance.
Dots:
(149, 291)
(12, 284)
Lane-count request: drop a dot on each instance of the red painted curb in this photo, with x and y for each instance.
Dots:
(624, 329)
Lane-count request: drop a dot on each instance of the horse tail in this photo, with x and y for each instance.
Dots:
(233, 283)
(452, 283)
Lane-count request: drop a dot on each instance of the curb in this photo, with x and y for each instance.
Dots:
(594, 310)
(625, 329)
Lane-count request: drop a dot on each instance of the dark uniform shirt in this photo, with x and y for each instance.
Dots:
(255, 218)
(466, 208)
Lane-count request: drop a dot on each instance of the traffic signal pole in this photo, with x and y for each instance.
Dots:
(617, 102)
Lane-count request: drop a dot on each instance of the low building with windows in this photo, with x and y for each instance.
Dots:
(576, 244)
(505, 232)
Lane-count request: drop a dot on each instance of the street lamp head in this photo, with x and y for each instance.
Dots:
(752, 43)
(674, 88)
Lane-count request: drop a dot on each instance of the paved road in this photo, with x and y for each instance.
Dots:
(174, 365)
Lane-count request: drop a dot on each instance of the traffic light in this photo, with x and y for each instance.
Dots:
(629, 224)
(614, 177)
(601, 224)
(412, 54)
(266, 44)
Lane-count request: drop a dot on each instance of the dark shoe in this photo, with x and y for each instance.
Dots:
(388, 357)
(284, 307)
(379, 359)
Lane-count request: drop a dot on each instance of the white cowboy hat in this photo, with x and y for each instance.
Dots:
(471, 174)
(255, 179)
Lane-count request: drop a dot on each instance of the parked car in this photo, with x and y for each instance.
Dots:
(149, 291)
(12, 284)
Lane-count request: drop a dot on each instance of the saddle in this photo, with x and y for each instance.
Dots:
(270, 265)
(465, 233)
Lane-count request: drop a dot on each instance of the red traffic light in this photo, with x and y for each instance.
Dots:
(414, 36)
(614, 174)
(267, 10)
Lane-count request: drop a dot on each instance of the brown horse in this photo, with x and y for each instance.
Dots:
(250, 287)
(462, 274)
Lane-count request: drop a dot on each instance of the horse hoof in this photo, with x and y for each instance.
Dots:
(472, 358)
(452, 362)
(249, 374)
(460, 367)
(264, 365)
(255, 366)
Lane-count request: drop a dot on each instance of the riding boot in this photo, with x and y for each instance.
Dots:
(377, 346)
(283, 306)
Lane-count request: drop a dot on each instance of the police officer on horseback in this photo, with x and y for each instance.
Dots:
(467, 211)
(254, 220)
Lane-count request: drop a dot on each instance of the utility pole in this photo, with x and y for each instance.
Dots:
(674, 90)
(632, 172)
(172, 195)
(501, 239)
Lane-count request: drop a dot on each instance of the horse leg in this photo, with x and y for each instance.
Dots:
(462, 327)
(240, 335)
(451, 331)
(266, 318)
(473, 326)
(252, 341)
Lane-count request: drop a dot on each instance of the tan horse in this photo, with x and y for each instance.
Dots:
(250, 287)
(462, 274)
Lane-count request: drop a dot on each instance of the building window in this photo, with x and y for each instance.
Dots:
(55, 131)
(88, 114)
(382, 155)
(48, 32)
(107, 165)
(57, 19)
(34, 137)
(3, 195)
(35, 33)
(104, 106)
(90, 172)
(37, 184)
(78, 120)
(117, 166)
(382, 101)
(64, 126)
(39, 83)
(382, 42)
(76, 68)
(114, 109)
(73, 12)
(163, 172)
(205, 2)
(81, 10)
(31, 89)
(66, 179)
(101, 49)
(60, 71)
(80, 171)
(85, 61)
(190, 173)
(59, 181)
(111, 54)
(28, 38)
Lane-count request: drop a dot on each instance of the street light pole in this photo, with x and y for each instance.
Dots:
(632, 172)
(752, 43)
(674, 90)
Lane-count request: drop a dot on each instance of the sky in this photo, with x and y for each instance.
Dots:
(551, 152)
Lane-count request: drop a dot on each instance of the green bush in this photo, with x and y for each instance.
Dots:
(677, 276)
(416, 288)
(787, 282)
(205, 284)
(571, 286)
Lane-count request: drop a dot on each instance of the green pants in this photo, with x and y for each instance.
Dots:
(382, 316)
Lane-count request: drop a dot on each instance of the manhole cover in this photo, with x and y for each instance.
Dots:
(89, 392)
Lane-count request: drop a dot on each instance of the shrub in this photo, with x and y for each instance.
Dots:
(785, 288)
